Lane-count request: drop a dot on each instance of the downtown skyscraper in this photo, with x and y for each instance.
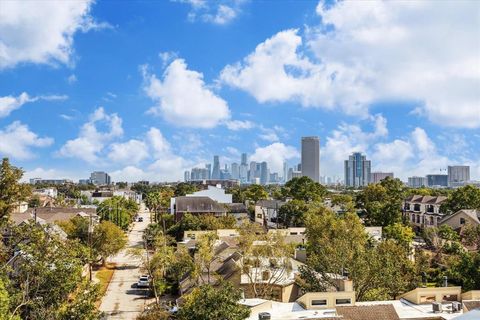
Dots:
(311, 158)
(357, 170)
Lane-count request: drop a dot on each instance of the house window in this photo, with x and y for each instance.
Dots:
(319, 302)
(416, 207)
(413, 218)
(418, 218)
(259, 216)
(432, 222)
(343, 301)
(462, 221)
(450, 297)
(427, 299)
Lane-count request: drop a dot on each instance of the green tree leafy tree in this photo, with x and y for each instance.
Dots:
(12, 191)
(213, 303)
(467, 197)
(108, 240)
(304, 189)
(293, 213)
(255, 192)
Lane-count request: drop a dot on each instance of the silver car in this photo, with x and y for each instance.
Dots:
(143, 282)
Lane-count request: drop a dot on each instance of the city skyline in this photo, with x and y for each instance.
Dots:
(194, 83)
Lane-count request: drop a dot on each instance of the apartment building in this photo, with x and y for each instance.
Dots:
(424, 211)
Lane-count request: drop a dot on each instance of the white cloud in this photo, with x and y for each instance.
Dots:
(184, 99)
(237, 125)
(42, 31)
(72, 79)
(16, 141)
(91, 141)
(419, 51)
(11, 103)
(275, 154)
(213, 11)
(130, 152)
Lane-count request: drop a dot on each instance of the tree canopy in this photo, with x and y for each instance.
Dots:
(304, 189)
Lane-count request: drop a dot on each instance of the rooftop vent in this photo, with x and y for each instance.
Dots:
(264, 316)
(456, 306)
(437, 307)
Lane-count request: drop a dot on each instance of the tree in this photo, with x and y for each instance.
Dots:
(472, 235)
(382, 202)
(467, 197)
(466, 271)
(344, 201)
(34, 202)
(82, 304)
(293, 213)
(108, 240)
(255, 192)
(182, 189)
(5, 313)
(11, 191)
(159, 201)
(48, 270)
(118, 210)
(213, 303)
(304, 189)
(76, 228)
(403, 235)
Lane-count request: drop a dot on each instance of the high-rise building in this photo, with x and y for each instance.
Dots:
(199, 174)
(209, 171)
(186, 176)
(244, 159)
(264, 174)
(235, 171)
(357, 170)
(437, 180)
(458, 175)
(376, 177)
(417, 182)
(252, 173)
(216, 168)
(100, 178)
(311, 158)
(285, 172)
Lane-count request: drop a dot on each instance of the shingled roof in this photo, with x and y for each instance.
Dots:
(426, 199)
(198, 205)
(371, 312)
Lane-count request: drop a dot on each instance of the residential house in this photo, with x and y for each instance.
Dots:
(461, 218)
(423, 211)
(196, 206)
(266, 212)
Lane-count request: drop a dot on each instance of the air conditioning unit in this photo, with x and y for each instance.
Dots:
(456, 306)
(437, 307)
(264, 316)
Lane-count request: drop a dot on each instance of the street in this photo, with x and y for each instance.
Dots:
(122, 299)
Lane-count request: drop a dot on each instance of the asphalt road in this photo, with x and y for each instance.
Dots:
(122, 299)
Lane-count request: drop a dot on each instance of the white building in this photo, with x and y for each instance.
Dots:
(49, 192)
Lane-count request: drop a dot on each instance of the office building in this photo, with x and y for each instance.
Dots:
(311, 158)
(244, 159)
(417, 182)
(199, 174)
(209, 170)
(376, 177)
(235, 171)
(186, 176)
(285, 172)
(252, 173)
(216, 168)
(264, 174)
(357, 170)
(100, 178)
(458, 175)
(437, 180)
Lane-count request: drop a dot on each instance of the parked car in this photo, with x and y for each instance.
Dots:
(143, 282)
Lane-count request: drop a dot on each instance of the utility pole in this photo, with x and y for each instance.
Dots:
(90, 231)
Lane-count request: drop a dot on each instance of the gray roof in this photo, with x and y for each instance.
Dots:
(272, 204)
(472, 213)
(426, 199)
(51, 215)
(198, 205)
(237, 207)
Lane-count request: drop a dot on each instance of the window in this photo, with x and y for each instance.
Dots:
(265, 275)
(462, 220)
(343, 301)
(259, 216)
(450, 297)
(427, 299)
(431, 221)
(418, 218)
(416, 207)
(319, 302)
(293, 233)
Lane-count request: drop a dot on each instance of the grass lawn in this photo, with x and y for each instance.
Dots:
(104, 274)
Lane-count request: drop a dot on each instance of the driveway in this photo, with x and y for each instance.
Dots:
(122, 299)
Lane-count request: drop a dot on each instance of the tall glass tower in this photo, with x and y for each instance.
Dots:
(357, 170)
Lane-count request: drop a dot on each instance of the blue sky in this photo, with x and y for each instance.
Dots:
(145, 90)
